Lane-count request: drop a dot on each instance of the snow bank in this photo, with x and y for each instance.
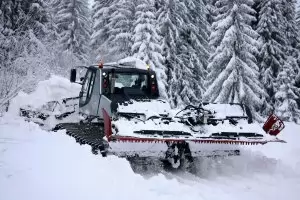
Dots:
(35, 165)
(286, 153)
(53, 89)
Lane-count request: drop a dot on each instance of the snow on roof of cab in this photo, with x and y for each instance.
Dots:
(130, 62)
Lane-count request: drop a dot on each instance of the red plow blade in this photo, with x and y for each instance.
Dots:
(155, 145)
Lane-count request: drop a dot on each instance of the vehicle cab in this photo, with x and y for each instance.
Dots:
(106, 86)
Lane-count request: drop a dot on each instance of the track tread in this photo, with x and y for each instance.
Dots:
(90, 133)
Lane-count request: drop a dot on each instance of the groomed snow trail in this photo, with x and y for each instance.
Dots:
(35, 164)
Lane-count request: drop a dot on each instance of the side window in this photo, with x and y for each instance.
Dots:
(87, 87)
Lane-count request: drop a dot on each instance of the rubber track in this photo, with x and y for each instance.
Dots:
(90, 134)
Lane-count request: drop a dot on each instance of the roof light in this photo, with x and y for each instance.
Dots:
(148, 66)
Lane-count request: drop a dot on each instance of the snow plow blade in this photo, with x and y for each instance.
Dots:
(204, 146)
(196, 132)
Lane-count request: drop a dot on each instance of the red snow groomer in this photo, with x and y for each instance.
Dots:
(123, 114)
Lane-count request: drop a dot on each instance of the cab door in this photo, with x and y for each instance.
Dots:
(89, 94)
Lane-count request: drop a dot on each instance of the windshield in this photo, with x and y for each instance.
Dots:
(126, 80)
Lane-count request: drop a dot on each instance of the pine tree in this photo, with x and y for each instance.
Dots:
(169, 21)
(53, 7)
(211, 10)
(298, 16)
(2, 40)
(184, 29)
(196, 40)
(291, 32)
(120, 33)
(272, 49)
(24, 27)
(233, 73)
(101, 13)
(289, 13)
(74, 27)
(297, 80)
(186, 73)
(146, 41)
(287, 94)
(3, 55)
(10, 13)
(293, 41)
(256, 7)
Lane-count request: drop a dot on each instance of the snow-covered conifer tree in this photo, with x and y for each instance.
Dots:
(184, 29)
(256, 7)
(2, 40)
(293, 39)
(120, 30)
(291, 32)
(233, 73)
(10, 14)
(146, 41)
(297, 84)
(4, 60)
(289, 13)
(287, 94)
(74, 27)
(196, 40)
(212, 12)
(272, 55)
(101, 13)
(298, 16)
(25, 27)
(169, 21)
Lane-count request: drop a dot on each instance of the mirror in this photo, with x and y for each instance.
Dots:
(73, 75)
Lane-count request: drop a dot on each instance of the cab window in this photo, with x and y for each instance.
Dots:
(87, 87)
(138, 81)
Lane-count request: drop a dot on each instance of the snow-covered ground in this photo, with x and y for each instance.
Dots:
(40, 165)
(35, 164)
